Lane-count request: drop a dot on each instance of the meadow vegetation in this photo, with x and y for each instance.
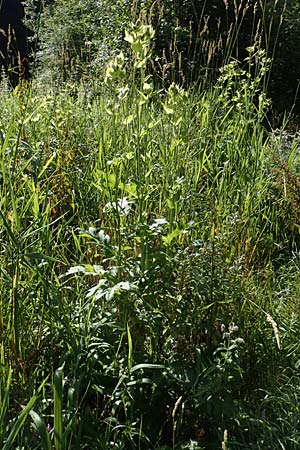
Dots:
(149, 261)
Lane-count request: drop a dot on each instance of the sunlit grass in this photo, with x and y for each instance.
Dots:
(140, 231)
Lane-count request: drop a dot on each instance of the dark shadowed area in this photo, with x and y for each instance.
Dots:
(15, 48)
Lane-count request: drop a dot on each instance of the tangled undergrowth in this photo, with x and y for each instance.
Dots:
(149, 271)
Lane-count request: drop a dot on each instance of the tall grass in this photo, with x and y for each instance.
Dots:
(144, 246)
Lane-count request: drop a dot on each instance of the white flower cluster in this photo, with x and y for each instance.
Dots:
(101, 235)
(232, 328)
(122, 206)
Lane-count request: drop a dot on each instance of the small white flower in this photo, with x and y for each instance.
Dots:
(105, 238)
(122, 206)
(232, 327)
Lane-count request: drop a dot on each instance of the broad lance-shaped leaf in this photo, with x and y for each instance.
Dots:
(17, 426)
(42, 430)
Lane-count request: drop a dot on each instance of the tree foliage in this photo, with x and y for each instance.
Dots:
(193, 38)
(79, 36)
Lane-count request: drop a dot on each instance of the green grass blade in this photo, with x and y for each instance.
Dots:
(42, 430)
(129, 347)
(4, 406)
(17, 426)
(58, 422)
(9, 444)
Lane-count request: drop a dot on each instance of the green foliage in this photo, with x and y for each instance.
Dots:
(78, 37)
(193, 39)
(146, 273)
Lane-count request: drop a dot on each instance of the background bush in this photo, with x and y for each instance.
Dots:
(78, 37)
(193, 39)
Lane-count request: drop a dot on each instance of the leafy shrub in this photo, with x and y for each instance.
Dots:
(78, 37)
(192, 39)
